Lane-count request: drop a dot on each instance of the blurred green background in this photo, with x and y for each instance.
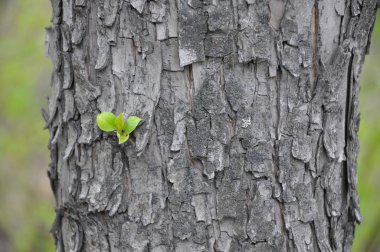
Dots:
(26, 202)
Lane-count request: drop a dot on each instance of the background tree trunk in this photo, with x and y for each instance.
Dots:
(249, 140)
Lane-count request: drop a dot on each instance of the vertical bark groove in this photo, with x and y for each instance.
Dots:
(249, 139)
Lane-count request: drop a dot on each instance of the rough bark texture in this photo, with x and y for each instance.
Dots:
(249, 140)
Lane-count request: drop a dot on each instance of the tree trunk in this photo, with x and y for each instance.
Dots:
(249, 139)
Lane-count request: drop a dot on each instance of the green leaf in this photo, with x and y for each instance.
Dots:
(131, 124)
(122, 137)
(119, 122)
(106, 121)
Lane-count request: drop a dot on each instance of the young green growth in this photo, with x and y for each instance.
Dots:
(108, 122)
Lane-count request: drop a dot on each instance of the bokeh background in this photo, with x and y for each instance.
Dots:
(26, 201)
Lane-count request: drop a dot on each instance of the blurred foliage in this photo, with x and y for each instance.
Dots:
(367, 235)
(27, 205)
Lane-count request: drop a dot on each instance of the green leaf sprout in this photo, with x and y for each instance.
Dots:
(108, 122)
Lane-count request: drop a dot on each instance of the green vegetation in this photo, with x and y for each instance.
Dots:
(368, 233)
(108, 122)
(27, 204)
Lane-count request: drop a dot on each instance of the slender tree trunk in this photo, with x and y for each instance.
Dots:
(249, 139)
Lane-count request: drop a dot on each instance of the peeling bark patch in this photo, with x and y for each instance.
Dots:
(218, 46)
(192, 31)
(301, 149)
(138, 5)
(170, 55)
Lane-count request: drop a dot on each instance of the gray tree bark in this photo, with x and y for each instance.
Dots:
(249, 139)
